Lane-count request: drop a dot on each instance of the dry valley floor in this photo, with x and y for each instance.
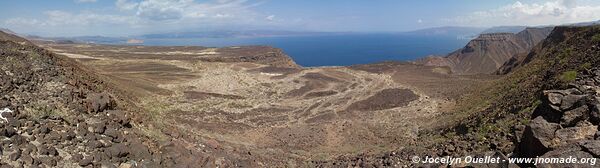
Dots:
(255, 105)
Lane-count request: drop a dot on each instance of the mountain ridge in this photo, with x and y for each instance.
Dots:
(488, 52)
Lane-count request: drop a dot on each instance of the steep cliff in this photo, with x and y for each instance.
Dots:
(488, 52)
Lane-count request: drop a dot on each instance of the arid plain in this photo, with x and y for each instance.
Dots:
(256, 102)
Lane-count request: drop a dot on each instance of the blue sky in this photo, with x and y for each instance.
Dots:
(134, 17)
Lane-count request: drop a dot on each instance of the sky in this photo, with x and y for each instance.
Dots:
(136, 17)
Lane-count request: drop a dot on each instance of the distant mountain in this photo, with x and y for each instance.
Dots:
(504, 29)
(138, 39)
(488, 52)
(458, 32)
(585, 23)
(229, 34)
(7, 31)
(81, 39)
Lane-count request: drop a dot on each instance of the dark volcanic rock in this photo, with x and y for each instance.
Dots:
(58, 91)
(28, 160)
(572, 117)
(385, 99)
(117, 150)
(86, 161)
(49, 161)
(77, 157)
(94, 144)
(15, 155)
(574, 134)
(570, 101)
(592, 147)
(139, 150)
(98, 102)
(118, 116)
(537, 137)
(99, 127)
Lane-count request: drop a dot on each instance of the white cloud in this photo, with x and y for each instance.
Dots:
(420, 21)
(157, 15)
(270, 17)
(62, 18)
(165, 10)
(85, 1)
(125, 5)
(553, 12)
(162, 9)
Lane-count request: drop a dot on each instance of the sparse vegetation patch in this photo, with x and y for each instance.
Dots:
(596, 38)
(568, 76)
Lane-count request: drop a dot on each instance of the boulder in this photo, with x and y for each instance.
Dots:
(117, 150)
(49, 161)
(67, 136)
(86, 161)
(44, 129)
(595, 112)
(99, 127)
(28, 160)
(591, 146)
(118, 116)
(549, 112)
(574, 134)
(15, 155)
(111, 132)
(8, 131)
(537, 137)
(139, 150)
(554, 98)
(572, 117)
(94, 144)
(77, 157)
(571, 101)
(98, 102)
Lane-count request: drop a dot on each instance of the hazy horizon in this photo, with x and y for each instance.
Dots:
(135, 17)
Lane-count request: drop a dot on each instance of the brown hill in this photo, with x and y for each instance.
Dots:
(488, 52)
(8, 35)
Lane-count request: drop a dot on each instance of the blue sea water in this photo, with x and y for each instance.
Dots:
(338, 50)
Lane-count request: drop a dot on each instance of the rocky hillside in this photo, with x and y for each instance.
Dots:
(8, 35)
(488, 52)
(558, 84)
(565, 123)
(56, 113)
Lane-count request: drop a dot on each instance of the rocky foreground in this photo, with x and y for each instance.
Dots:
(56, 113)
(565, 123)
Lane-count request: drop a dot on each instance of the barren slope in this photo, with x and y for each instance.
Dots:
(488, 52)
(269, 111)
